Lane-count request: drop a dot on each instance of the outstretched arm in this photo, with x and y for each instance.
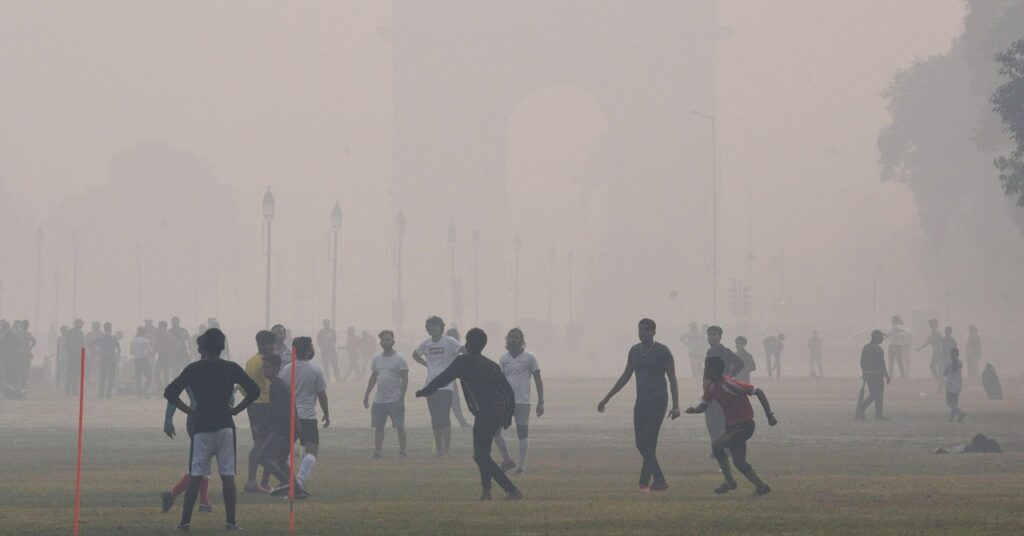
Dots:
(619, 384)
(448, 376)
(763, 399)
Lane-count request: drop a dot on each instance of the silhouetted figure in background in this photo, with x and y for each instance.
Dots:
(972, 352)
(8, 353)
(749, 365)
(108, 349)
(814, 355)
(353, 348)
(714, 417)
(652, 363)
(899, 348)
(954, 382)
(60, 356)
(73, 344)
(327, 342)
(490, 399)
(182, 346)
(935, 341)
(990, 381)
(165, 348)
(875, 376)
(696, 348)
(141, 351)
(773, 354)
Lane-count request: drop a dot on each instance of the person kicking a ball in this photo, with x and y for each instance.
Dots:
(733, 395)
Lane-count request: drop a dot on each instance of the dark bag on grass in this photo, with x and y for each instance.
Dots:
(983, 443)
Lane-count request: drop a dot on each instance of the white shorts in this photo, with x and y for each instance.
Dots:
(522, 414)
(206, 445)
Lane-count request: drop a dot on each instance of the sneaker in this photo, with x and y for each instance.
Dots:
(514, 495)
(659, 486)
(377, 456)
(205, 508)
(166, 501)
(506, 465)
(232, 526)
(183, 527)
(726, 487)
(485, 495)
(960, 417)
(762, 490)
(301, 493)
(253, 487)
(645, 489)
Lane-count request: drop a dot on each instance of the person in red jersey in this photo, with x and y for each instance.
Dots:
(733, 395)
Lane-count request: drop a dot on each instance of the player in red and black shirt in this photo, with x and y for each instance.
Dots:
(732, 395)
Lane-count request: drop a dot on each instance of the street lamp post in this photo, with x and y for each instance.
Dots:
(517, 246)
(570, 259)
(56, 298)
(451, 263)
(39, 270)
(399, 304)
(714, 211)
(74, 273)
(552, 256)
(476, 277)
(335, 227)
(269, 206)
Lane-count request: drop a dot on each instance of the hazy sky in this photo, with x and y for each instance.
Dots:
(298, 97)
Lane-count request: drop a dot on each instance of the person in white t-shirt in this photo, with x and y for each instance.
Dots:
(519, 365)
(140, 349)
(436, 353)
(310, 387)
(390, 374)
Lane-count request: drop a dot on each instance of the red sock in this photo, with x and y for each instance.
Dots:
(179, 488)
(204, 486)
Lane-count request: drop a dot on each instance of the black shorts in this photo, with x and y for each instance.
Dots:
(740, 432)
(258, 414)
(308, 431)
(440, 406)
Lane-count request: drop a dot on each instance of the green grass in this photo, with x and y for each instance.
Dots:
(828, 474)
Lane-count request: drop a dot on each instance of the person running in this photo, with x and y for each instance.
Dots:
(310, 388)
(436, 353)
(696, 348)
(167, 498)
(489, 398)
(108, 348)
(258, 411)
(141, 350)
(327, 341)
(212, 381)
(814, 355)
(972, 351)
(733, 395)
(389, 373)
(456, 403)
(749, 365)
(899, 348)
(875, 376)
(651, 362)
(519, 365)
(714, 417)
(954, 381)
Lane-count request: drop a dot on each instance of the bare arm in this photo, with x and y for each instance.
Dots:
(405, 385)
(619, 384)
(369, 387)
(540, 393)
(321, 396)
(763, 399)
(673, 388)
(418, 358)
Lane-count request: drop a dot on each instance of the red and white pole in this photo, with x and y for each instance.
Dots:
(291, 455)
(78, 469)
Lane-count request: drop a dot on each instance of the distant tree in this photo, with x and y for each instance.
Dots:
(1008, 102)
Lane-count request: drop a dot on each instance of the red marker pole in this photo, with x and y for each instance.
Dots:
(291, 456)
(78, 469)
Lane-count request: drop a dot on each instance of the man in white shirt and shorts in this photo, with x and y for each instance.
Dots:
(390, 374)
(436, 353)
(519, 365)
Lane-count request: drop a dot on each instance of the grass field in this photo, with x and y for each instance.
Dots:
(828, 474)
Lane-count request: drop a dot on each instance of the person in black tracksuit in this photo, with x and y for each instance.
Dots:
(490, 399)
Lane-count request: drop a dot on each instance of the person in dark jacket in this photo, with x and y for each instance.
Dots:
(490, 399)
(872, 366)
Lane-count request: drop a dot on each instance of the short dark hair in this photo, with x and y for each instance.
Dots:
(742, 339)
(273, 360)
(476, 340)
(384, 332)
(516, 330)
(716, 329)
(434, 320)
(647, 322)
(212, 340)
(716, 364)
(302, 346)
(265, 337)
